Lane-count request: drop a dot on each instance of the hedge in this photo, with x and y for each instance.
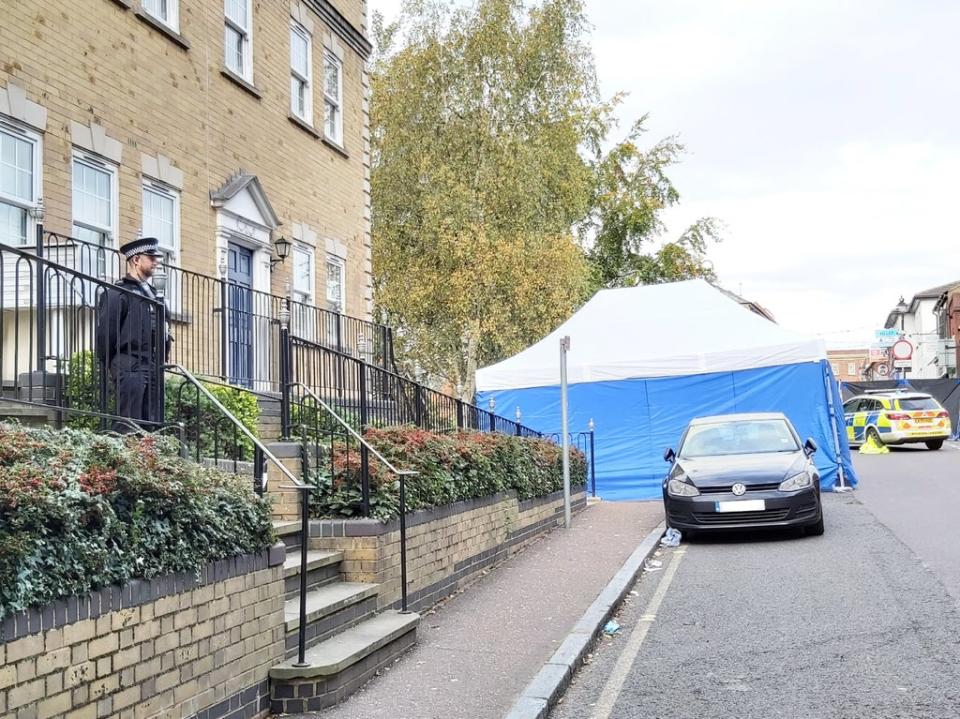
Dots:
(80, 511)
(451, 467)
(182, 404)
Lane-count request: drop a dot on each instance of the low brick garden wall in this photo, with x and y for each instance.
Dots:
(179, 645)
(446, 547)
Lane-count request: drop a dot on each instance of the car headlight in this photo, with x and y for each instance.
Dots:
(678, 488)
(797, 481)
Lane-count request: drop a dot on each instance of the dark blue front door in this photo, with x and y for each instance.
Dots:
(240, 326)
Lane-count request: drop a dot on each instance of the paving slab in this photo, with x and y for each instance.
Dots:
(477, 652)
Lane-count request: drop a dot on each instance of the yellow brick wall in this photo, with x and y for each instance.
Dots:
(96, 61)
(435, 548)
(172, 657)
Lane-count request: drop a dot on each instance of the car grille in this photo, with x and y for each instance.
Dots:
(769, 515)
(728, 488)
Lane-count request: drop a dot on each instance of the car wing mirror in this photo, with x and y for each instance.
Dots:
(669, 455)
(809, 447)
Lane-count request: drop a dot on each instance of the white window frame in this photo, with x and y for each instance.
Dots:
(336, 305)
(109, 231)
(300, 294)
(246, 34)
(851, 368)
(337, 138)
(296, 77)
(31, 207)
(173, 278)
(154, 8)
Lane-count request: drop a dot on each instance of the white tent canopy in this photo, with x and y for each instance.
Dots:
(682, 328)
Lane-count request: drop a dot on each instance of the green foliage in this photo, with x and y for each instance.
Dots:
(205, 425)
(80, 511)
(477, 179)
(83, 389)
(451, 467)
(631, 192)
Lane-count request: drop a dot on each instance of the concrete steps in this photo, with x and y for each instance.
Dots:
(330, 609)
(342, 664)
(347, 640)
(322, 568)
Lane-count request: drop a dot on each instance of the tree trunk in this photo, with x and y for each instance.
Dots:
(468, 381)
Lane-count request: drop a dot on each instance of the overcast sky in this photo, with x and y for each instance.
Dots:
(825, 134)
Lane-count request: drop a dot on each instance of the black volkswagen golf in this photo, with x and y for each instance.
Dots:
(742, 471)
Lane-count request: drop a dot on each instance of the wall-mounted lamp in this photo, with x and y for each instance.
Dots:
(282, 247)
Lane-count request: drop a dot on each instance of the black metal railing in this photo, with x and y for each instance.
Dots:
(336, 458)
(224, 329)
(61, 339)
(583, 441)
(369, 396)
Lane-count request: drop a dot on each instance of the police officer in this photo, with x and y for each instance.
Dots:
(128, 340)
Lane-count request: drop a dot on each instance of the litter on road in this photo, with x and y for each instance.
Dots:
(671, 538)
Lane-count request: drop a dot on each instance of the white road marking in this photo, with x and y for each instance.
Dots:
(614, 685)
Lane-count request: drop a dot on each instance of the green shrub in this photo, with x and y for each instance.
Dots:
(83, 389)
(80, 511)
(205, 425)
(451, 467)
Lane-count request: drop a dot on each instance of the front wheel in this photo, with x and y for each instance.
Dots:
(934, 443)
(815, 530)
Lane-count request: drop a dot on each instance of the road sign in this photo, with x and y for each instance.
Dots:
(877, 354)
(885, 338)
(883, 370)
(902, 364)
(902, 350)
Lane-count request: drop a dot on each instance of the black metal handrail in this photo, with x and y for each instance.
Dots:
(296, 484)
(401, 475)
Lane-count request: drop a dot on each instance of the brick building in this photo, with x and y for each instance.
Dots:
(217, 125)
(849, 365)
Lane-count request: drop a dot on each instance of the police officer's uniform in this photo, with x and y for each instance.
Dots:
(128, 342)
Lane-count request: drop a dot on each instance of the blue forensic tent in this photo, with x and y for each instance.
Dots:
(646, 360)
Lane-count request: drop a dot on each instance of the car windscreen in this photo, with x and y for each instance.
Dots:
(913, 403)
(738, 437)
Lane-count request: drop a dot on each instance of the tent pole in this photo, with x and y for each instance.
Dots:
(842, 487)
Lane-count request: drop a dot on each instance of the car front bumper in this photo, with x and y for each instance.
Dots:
(780, 509)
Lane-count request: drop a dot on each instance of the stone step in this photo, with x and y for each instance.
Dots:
(288, 533)
(323, 567)
(331, 608)
(339, 666)
(30, 415)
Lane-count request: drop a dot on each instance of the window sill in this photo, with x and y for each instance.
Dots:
(161, 27)
(339, 149)
(236, 79)
(124, 4)
(304, 125)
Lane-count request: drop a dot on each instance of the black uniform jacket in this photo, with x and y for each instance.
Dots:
(127, 324)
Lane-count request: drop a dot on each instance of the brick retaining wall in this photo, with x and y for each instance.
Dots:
(175, 646)
(446, 546)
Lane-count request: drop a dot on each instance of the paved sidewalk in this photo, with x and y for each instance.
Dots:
(476, 653)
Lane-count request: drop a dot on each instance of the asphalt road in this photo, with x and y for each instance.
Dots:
(916, 493)
(846, 625)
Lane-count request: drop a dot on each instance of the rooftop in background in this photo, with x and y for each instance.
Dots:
(929, 294)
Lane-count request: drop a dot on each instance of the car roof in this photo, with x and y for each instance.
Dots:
(894, 394)
(742, 417)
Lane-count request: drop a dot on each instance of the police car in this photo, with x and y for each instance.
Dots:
(896, 417)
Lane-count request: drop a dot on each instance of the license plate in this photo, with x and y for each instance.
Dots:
(745, 505)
